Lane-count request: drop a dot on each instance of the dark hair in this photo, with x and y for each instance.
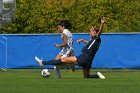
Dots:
(95, 28)
(65, 23)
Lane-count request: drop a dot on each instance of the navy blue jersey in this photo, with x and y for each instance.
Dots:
(88, 52)
(92, 46)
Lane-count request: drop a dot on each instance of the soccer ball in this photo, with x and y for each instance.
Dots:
(45, 73)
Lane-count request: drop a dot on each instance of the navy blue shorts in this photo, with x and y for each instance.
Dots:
(84, 60)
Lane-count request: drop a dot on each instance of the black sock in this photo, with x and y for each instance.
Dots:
(52, 62)
(93, 76)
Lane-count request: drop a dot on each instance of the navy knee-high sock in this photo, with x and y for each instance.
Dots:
(93, 76)
(52, 62)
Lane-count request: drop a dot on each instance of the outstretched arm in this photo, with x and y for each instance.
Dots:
(82, 40)
(103, 19)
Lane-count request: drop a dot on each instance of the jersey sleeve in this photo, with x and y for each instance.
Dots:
(65, 31)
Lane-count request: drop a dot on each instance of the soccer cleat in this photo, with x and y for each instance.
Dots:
(3, 69)
(39, 61)
(100, 75)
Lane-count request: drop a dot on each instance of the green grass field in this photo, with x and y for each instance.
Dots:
(30, 81)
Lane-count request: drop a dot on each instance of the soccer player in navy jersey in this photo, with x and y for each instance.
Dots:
(86, 57)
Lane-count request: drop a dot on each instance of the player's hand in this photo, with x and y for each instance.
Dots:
(103, 20)
(80, 40)
(57, 45)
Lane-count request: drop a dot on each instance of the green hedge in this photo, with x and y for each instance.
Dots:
(42, 16)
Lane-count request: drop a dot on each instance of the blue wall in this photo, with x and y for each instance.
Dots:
(116, 50)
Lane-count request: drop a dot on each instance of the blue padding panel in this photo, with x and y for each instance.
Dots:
(116, 50)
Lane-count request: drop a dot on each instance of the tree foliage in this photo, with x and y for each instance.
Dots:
(42, 16)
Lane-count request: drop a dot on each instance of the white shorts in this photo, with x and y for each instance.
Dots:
(65, 52)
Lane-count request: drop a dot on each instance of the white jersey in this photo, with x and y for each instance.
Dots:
(69, 47)
(69, 38)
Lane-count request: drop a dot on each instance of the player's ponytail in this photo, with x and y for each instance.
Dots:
(65, 23)
(95, 28)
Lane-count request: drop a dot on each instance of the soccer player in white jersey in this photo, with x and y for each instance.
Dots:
(67, 45)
